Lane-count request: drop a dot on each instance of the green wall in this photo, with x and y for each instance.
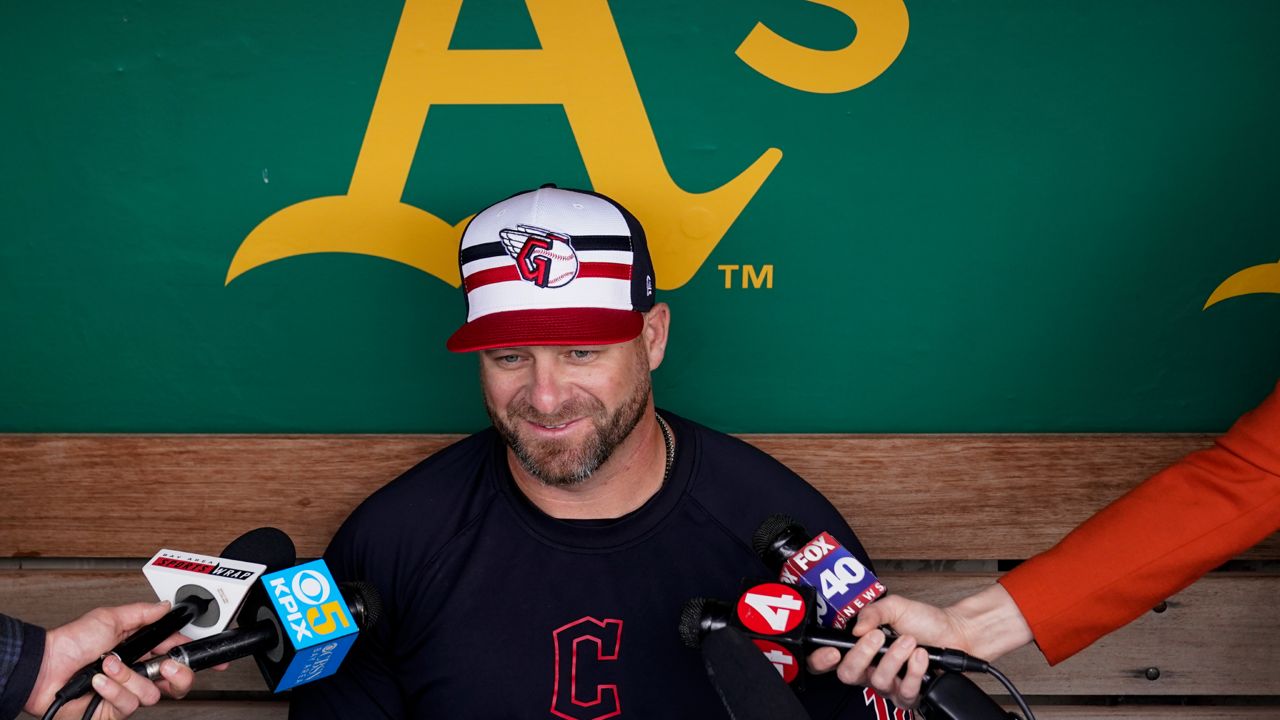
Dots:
(1015, 227)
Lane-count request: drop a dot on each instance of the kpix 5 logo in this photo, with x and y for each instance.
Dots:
(582, 67)
(305, 597)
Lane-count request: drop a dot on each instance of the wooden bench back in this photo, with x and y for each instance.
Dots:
(925, 506)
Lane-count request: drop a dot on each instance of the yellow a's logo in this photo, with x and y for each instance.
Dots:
(1263, 278)
(581, 66)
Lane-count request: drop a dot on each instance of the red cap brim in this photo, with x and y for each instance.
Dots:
(562, 326)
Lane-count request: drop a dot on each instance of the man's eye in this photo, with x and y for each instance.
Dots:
(582, 354)
(508, 359)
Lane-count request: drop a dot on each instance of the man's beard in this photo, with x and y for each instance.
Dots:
(559, 463)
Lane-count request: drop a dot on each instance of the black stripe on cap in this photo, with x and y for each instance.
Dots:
(580, 242)
(601, 242)
(481, 251)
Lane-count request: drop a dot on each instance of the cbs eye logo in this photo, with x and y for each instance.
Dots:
(324, 615)
(311, 587)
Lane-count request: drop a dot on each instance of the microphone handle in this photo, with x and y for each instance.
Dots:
(941, 658)
(137, 644)
(141, 642)
(947, 695)
(224, 647)
(363, 604)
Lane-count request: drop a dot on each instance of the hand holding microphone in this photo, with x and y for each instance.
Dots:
(296, 621)
(291, 646)
(986, 623)
(819, 573)
(844, 587)
(204, 594)
(83, 640)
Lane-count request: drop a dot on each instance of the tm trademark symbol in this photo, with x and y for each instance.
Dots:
(750, 276)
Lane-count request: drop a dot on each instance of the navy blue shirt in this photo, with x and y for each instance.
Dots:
(496, 610)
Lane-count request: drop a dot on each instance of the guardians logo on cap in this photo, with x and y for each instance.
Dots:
(536, 252)
(553, 266)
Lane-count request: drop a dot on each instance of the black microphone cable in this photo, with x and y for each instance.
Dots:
(54, 708)
(1013, 692)
(93, 705)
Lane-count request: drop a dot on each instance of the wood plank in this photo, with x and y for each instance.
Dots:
(887, 486)
(1221, 636)
(211, 710)
(128, 495)
(1154, 712)
(269, 710)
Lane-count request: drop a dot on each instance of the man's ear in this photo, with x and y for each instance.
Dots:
(657, 323)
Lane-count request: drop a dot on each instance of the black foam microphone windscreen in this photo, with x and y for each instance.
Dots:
(266, 546)
(748, 684)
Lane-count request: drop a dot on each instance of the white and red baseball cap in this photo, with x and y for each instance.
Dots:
(553, 266)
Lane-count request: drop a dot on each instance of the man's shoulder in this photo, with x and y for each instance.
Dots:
(428, 503)
(721, 454)
(451, 469)
(741, 486)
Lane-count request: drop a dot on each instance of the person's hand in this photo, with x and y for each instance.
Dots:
(82, 641)
(986, 625)
(929, 625)
(856, 666)
(917, 623)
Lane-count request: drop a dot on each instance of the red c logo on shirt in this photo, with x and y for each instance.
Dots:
(566, 702)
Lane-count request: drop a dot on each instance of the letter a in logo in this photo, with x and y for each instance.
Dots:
(582, 67)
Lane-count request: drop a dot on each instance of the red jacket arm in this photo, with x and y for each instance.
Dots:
(1156, 539)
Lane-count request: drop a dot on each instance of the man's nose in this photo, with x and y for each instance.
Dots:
(549, 391)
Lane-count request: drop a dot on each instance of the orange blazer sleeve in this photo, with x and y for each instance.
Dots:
(1156, 539)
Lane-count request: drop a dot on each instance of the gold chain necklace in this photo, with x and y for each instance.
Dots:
(669, 442)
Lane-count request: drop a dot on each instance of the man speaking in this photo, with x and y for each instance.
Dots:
(537, 569)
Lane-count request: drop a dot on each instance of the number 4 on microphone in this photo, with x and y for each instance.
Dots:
(771, 609)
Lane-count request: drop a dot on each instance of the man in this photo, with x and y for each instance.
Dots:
(537, 569)
(1147, 545)
(34, 664)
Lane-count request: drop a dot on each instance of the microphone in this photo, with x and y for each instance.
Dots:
(315, 626)
(205, 595)
(261, 637)
(207, 591)
(742, 677)
(776, 620)
(843, 584)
